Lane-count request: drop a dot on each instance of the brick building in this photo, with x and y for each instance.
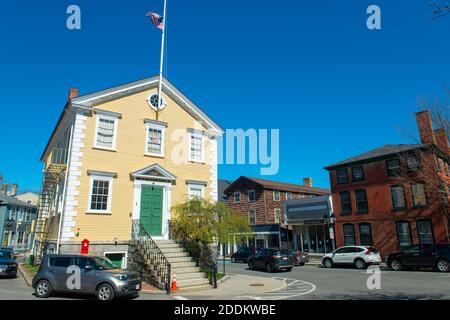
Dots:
(262, 202)
(396, 195)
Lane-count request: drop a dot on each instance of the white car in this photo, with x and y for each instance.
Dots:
(358, 256)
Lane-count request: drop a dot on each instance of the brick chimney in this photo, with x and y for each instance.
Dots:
(73, 93)
(442, 140)
(307, 182)
(425, 127)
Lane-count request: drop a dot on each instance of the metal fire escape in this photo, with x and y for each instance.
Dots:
(54, 173)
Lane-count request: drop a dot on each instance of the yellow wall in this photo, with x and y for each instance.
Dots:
(129, 157)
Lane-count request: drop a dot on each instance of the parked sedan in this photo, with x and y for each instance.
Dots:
(98, 276)
(271, 259)
(299, 258)
(358, 256)
(8, 264)
(242, 254)
(426, 256)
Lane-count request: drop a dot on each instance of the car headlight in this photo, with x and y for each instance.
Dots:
(122, 277)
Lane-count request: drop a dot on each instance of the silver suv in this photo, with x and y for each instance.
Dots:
(84, 275)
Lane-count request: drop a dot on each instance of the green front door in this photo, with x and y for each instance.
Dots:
(151, 209)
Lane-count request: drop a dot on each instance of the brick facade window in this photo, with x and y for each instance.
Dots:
(393, 167)
(361, 201)
(357, 174)
(419, 198)
(237, 197)
(288, 195)
(413, 162)
(342, 176)
(398, 198)
(349, 234)
(404, 233)
(365, 234)
(346, 203)
(425, 231)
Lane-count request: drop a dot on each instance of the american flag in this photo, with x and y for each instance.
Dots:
(157, 20)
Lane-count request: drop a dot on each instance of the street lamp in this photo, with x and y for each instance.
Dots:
(330, 221)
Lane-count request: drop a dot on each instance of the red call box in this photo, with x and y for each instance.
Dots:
(85, 246)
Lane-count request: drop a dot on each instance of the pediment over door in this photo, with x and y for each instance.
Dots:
(154, 172)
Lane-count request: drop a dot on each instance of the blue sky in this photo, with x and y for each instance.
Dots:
(309, 68)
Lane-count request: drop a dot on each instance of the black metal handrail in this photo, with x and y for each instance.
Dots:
(157, 258)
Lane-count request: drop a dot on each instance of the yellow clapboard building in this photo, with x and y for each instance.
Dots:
(115, 162)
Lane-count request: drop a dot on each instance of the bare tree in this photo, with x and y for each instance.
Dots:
(440, 111)
(440, 8)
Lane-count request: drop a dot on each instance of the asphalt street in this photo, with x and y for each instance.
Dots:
(307, 282)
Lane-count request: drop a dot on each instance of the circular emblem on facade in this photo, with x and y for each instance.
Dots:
(153, 101)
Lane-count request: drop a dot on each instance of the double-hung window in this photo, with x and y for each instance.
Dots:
(357, 173)
(20, 215)
(28, 215)
(342, 176)
(289, 196)
(349, 234)
(425, 231)
(346, 203)
(398, 198)
(404, 233)
(100, 195)
(196, 190)
(365, 234)
(106, 129)
(393, 167)
(361, 201)
(418, 195)
(237, 197)
(196, 146)
(156, 133)
(276, 195)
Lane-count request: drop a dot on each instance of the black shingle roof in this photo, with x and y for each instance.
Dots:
(386, 150)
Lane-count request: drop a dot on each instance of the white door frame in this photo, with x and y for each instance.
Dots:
(167, 195)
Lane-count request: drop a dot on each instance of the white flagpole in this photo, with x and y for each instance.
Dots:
(162, 57)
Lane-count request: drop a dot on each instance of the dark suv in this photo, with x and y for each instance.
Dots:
(271, 259)
(242, 254)
(84, 275)
(421, 256)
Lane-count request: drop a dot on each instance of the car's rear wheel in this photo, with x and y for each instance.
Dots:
(43, 289)
(269, 267)
(328, 263)
(105, 292)
(443, 265)
(302, 264)
(289, 269)
(360, 264)
(250, 265)
(396, 265)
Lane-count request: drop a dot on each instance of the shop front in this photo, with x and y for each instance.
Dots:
(312, 223)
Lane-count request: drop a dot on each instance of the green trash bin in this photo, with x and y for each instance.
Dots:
(31, 260)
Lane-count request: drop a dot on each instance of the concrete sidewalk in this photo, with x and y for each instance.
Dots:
(237, 285)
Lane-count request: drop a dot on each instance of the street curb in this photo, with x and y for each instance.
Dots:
(25, 275)
(224, 278)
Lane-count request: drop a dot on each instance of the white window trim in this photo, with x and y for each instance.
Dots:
(234, 197)
(200, 134)
(248, 195)
(112, 117)
(277, 218)
(148, 126)
(279, 195)
(197, 186)
(103, 177)
(289, 193)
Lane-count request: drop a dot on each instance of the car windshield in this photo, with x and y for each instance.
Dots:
(102, 263)
(281, 252)
(6, 254)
